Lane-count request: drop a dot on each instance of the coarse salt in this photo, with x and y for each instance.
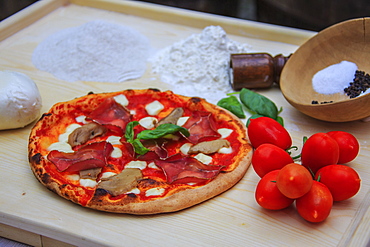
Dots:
(334, 78)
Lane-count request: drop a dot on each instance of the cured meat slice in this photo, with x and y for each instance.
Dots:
(157, 151)
(180, 169)
(90, 156)
(201, 127)
(112, 115)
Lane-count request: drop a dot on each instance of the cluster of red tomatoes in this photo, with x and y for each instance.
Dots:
(316, 182)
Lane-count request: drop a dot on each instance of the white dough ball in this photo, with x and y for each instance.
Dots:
(20, 100)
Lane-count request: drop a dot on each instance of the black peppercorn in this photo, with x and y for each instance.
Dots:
(360, 84)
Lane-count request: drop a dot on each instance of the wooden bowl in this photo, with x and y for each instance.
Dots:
(345, 41)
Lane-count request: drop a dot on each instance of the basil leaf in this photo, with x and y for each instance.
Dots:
(129, 134)
(258, 103)
(161, 131)
(139, 147)
(232, 104)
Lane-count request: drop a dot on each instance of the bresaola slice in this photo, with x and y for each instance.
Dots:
(112, 115)
(157, 151)
(179, 169)
(90, 156)
(200, 125)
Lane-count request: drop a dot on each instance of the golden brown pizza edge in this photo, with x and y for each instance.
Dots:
(176, 201)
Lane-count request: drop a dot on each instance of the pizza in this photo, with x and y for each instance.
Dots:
(138, 151)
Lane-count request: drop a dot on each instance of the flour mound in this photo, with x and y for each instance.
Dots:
(96, 51)
(199, 64)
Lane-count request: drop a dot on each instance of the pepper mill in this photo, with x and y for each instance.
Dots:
(255, 70)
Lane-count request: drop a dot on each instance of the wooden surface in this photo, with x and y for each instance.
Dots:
(231, 219)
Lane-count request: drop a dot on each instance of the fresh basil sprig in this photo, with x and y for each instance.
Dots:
(161, 131)
(129, 134)
(232, 104)
(136, 143)
(139, 147)
(258, 103)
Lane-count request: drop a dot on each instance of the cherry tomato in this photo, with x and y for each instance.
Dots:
(319, 150)
(342, 181)
(268, 157)
(348, 145)
(268, 195)
(267, 130)
(294, 180)
(315, 206)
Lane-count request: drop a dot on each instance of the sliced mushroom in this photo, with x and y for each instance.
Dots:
(84, 133)
(90, 173)
(122, 182)
(209, 147)
(172, 117)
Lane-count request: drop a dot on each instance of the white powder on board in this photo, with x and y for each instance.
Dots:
(334, 78)
(96, 51)
(199, 65)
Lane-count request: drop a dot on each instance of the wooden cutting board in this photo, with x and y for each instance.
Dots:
(32, 214)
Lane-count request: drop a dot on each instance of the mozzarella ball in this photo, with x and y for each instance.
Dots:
(20, 100)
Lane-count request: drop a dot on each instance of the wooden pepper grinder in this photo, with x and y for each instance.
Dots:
(255, 70)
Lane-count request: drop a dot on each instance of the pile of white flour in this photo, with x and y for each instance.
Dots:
(96, 51)
(199, 65)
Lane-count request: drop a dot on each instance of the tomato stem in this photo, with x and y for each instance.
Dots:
(305, 139)
(312, 173)
(295, 148)
(296, 157)
(280, 110)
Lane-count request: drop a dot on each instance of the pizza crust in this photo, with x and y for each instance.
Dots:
(176, 200)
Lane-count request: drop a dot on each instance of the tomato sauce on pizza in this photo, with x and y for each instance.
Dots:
(138, 151)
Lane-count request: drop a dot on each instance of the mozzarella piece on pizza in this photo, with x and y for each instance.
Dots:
(81, 119)
(182, 120)
(73, 177)
(154, 192)
(114, 140)
(64, 137)
(121, 99)
(148, 122)
(152, 165)
(61, 147)
(205, 159)
(86, 182)
(225, 150)
(224, 132)
(107, 174)
(116, 153)
(136, 164)
(154, 108)
(135, 191)
(185, 148)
